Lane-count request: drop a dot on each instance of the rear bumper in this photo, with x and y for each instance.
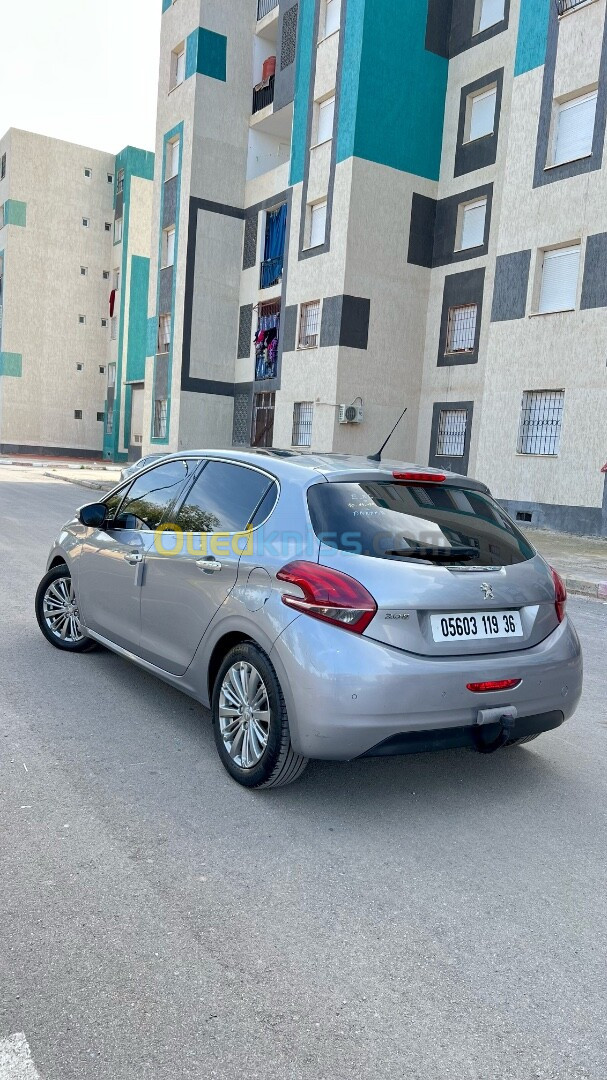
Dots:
(348, 696)
(420, 742)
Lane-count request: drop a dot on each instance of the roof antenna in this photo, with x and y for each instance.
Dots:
(377, 456)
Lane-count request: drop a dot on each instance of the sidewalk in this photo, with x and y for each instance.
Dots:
(581, 561)
(98, 475)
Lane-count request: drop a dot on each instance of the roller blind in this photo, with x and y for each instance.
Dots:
(492, 12)
(559, 279)
(326, 113)
(482, 114)
(318, 225)
(575, 129)
(473, 224)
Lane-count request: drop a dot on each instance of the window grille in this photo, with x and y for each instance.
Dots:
(303, 412)
(160, 419)
(119, 182)
(563, 6)
(451, 438)
(541, 420)
(164, 333)
(309, 324)
(264, 7)
(461, 328)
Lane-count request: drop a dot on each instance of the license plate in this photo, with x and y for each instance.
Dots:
(476, 625)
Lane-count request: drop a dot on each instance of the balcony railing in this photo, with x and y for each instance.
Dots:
(264, 7)
(271, 272)
(563, 6)
(263, 95)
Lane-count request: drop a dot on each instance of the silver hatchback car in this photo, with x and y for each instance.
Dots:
(322, 606)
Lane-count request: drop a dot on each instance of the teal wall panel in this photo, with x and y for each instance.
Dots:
(303, 70)
(532, 35)
(138, 319)
(152, 336)
(393, 91)
(166, 4)
(15, 212)
(11, 363)
(206, 54)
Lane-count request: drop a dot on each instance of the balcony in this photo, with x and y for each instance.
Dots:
(274, 247)
(564, 6)
(266, 341)
(264, 7)
(263, 94)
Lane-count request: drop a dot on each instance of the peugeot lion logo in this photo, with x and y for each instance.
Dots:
(487, 591)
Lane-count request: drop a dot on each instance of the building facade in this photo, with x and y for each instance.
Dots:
(65, 233)
(367, 205)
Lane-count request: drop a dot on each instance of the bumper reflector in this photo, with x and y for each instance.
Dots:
(489, 687)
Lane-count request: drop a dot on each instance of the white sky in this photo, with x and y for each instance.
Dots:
(81, 70)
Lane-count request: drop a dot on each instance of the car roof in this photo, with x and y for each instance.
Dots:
(304, 467)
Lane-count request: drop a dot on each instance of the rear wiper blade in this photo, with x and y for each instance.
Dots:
(454, 554)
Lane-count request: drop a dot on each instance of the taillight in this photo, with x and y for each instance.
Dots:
(328, 595)
(488, 687)
(560, 594)
(417, 477)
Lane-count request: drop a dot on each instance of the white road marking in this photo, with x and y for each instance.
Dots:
(15, 1059)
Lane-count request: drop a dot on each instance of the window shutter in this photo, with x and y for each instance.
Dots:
(473, 224)
(575, 129)
(492, 12)
(482, 114)
(326, 114)
(559, 279)
(318, 225)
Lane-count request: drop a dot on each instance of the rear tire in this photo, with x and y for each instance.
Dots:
(250, 722)
(57, 612)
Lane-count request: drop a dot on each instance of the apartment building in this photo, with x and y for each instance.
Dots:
(367, 205)
(62, 243)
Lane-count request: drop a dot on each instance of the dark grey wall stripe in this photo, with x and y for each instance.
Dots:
(245, 331)
(243, 405)
(510, 287)
(465, 288)
(543, 175)
(579, 520)
(165, 290)
(310, 253)
(455, 464)
(421, 230)
(284, 85)
(345, 322)
(450, 27)
(594, 285)
(169, 202)
(249, 250)
(288, 328)
(433, 228)
(470, 156)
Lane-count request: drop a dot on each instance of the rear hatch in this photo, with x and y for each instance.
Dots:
(450, 573)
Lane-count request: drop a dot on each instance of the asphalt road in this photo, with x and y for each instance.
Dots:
(433, 917)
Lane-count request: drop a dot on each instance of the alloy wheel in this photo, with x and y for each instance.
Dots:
(60, 611)
(244, 714)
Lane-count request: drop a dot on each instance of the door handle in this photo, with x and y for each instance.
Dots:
(208, 566)
(133, 557)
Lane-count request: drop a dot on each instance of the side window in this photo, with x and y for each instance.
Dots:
(223, 499)
(151, 495)
(113, 503)
(266, 505)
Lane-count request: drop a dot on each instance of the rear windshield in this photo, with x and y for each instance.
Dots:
(453, 526)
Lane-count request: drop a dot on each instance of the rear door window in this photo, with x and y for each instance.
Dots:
(151, 495)
(224, 498)
(416, 523)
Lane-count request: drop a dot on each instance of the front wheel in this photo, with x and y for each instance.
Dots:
(57, 612)
(250, 721)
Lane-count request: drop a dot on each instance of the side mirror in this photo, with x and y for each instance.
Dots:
(93, 515)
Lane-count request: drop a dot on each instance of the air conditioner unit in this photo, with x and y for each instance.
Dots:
(350, 414)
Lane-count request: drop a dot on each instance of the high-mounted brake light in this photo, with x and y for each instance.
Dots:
(328, 595)
(489, 687)
(420, 477)
(560, 594)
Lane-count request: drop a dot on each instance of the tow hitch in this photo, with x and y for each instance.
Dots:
(505, 717)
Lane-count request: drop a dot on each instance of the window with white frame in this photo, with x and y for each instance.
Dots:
(172, 158)
(111, 374)
(489, 12)
(168, 246)
(332, 16)
(318, 224)
(541, 422)
(325, 117)
(481, 114)
(472, 224)
(160, 418)
(303, 415)
(574, 128)
(164, 333)
(117, 280)
(309, 325)
(461, 328)
(178, 65)
(114, 328)
(110, 178)
(117, 230)
(560, 272)
(451, 435)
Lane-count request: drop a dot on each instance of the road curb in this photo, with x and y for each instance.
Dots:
(585, 587)
(94, 485)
